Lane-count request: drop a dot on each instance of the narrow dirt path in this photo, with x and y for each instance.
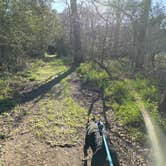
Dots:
(22, 148)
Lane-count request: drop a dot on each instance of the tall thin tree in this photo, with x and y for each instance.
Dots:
(76, 41)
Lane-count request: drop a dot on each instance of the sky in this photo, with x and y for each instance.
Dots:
(59, 5)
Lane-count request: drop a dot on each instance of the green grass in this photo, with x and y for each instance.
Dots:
(5, 90)
(39, 71)
(129, 114)
(120, 97)
(118, 91)
(146, 96)
(59, 119)
(42, 71)
(92, 73)
(147, 89)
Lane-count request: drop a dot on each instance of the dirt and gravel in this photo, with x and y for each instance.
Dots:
(19, 147)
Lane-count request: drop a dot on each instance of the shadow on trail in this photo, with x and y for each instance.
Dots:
(7, 104)
(94, 100)
(104, 108)
(107, 123)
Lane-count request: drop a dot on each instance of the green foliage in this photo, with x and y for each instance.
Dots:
(119, 67)
(129, 114)
(119, 91)
(5, 90)
(148, 90)
(92, 73)
(26, 29)
(153, 109)
(120, 96)
(150, 97)
(5, 94)
(162, 123)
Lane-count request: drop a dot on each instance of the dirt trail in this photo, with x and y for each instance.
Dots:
(22, 148)
(26, 150)
(130, 153)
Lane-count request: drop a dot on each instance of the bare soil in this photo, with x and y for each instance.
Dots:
(20, 147)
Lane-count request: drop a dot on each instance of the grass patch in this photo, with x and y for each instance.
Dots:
(42, 71)
(129, 114)
(92, 73)
(149, 94)
(59, 120)
(39, 71)
(5, 89)
(147, 89)
(118, 91)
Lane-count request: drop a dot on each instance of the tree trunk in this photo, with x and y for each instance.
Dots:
(141, 35)
(76, 41)
(117, 28)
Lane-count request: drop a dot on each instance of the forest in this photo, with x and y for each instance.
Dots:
(104, 59)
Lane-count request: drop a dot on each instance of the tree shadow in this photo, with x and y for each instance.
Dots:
(107, 123)
(7, 104)
(94, 100)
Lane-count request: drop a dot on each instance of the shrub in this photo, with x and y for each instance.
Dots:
(129, 114)
(92, 73)
(118, 91)
(147, 90)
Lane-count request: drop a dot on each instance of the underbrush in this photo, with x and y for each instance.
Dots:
(92, 73)
(149, 94)
(6, 93)
(120, 97)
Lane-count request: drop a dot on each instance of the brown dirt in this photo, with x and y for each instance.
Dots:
(27, 150)
(22, 148)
